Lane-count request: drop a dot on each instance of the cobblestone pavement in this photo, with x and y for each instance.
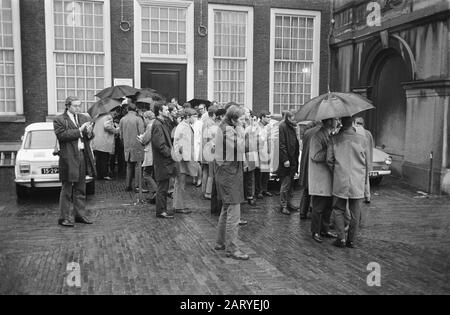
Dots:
(130, 251)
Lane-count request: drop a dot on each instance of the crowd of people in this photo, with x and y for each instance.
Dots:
(230, 153)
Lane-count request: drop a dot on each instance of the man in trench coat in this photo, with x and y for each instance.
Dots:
(229, 172)
(74, 132)
(347, 158)
(131, 126)
(320, 180)
(305, 201)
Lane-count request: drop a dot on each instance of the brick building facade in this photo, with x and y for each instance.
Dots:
(252, 52)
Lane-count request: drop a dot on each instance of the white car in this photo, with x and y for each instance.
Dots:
(36, 165)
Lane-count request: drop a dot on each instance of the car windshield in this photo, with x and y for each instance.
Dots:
(40, 139)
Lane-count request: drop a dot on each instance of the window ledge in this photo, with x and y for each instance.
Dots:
(12, 118)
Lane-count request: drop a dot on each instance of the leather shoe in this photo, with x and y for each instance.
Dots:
(329, 235)
(317, 238)
(293, 209)
(183, 211)
(65, 223)
(238, 255)
(83, 220)
(260, 196)
(268, 194)
(243, 222)
(151, 201)
(219, 247)
(251, 202)
(164, 215)
(350, 244)
(339, 243)
(285, 211)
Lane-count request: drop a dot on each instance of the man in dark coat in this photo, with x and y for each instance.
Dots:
(163, 164)
(74, 132)
(304, 162)
(289, 152)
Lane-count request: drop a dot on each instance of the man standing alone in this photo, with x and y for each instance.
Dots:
(74, 133)
(348, 160)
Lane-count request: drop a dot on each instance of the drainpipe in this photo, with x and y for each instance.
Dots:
(445, 135)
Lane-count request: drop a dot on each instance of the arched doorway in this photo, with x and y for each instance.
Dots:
(389, 99)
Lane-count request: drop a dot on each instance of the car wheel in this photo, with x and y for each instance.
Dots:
(376, 181)
(21, 192)
(90, 188)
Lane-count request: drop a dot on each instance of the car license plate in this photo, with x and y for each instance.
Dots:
(50, 170)
(373, 174)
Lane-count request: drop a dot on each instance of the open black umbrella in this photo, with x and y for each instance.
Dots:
(146, 95)
(333, 105)
(103, 106)
(117, 91)
(196, 102)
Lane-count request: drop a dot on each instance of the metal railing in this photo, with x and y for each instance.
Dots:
(8, 158)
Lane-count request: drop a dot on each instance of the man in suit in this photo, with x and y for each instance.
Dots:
(348, 161)
(74, 132)
(164, 165)
(289, 152)
(130, 127)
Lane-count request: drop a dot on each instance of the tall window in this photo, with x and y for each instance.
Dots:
(80, 47)
(231, 54)
(164, 30)
(294, 58)
(10, 71)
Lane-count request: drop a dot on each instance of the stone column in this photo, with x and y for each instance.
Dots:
(427, 131)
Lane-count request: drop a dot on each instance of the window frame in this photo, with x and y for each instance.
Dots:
(17, 51)
(188, 60)
(50, 49)
(315, 73)
(249, 49)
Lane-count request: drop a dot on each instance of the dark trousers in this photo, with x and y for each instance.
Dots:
(305, 202)
(216, 203)
(161, 196)
(74, 192)
(321, 214)
(131, 174)
(148, 179)
(340, 207)
(261, 181)
(287, 191)
(119, 155)
(101, 163)
(249, 184)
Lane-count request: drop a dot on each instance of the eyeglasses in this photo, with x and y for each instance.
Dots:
(359, 123)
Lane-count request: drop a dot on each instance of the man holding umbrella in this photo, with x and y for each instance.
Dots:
(348, 160)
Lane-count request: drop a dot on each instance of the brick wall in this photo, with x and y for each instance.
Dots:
(32, 24)
(122, 43)
(261, 45)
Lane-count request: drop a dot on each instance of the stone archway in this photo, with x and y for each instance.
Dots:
(385, 66)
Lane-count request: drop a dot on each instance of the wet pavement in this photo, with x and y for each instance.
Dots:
(129, 251)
